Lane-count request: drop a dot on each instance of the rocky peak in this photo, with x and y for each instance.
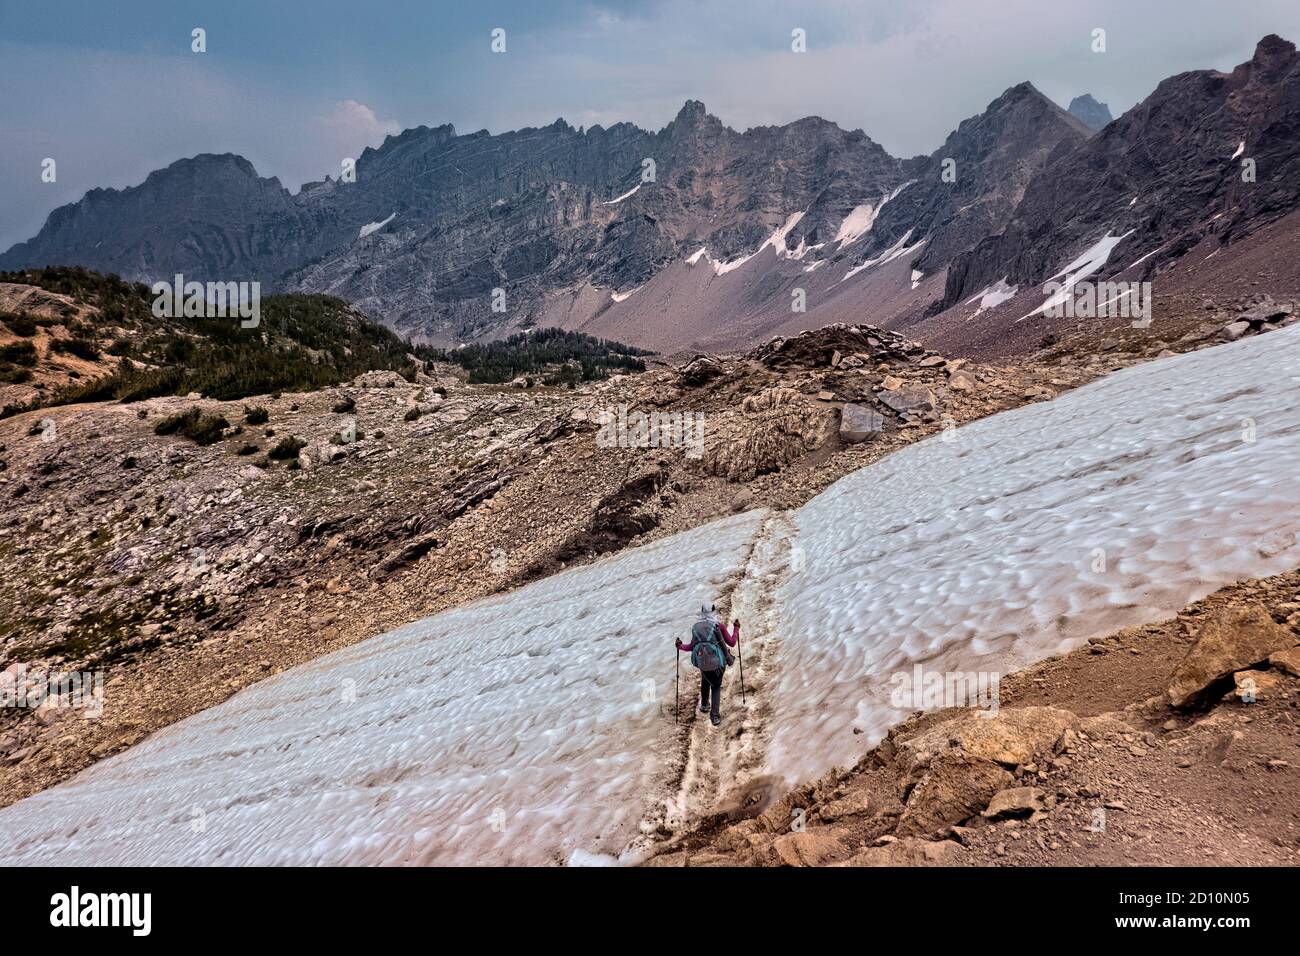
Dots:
(1273, 50)
(1090, 112)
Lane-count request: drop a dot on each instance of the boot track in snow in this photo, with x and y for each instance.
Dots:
(716, 763)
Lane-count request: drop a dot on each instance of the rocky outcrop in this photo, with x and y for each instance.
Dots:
(970, 186)
(1165, 175)
(1228, 641)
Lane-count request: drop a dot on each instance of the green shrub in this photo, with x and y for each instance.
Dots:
(287, 447)
(18, 353)
(81, 347)
(256, 415)
(193, 424)
(23, 326)
(344, 405)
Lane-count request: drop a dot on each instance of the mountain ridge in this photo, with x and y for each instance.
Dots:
(459, 237)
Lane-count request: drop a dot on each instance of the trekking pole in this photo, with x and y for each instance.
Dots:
(677, 665)
(740, 656)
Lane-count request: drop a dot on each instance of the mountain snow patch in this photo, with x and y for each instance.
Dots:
(626, 195)
(896, 251)
(1089, 261)
(993, 296)
(370, 227)
(861, 218)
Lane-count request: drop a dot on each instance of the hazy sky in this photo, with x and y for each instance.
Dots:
(111, 90)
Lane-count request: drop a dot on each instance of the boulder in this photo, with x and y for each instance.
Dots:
(378, 378)
(815, 847)
(909, 398)
(954, 787)
(1230, 639)
(859, 422)
(854, 804)
(911, 852)
(1235, 330)
(961, 381)
(1015, 802)
(698, 371)
(1266, 311)
(1250, 686)
(1287, 661)
(1010, 738)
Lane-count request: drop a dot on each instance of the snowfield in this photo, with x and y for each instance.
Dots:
(505, 731)
(536, 727)
(1115, 504)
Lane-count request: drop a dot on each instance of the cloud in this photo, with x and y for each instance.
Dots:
(111, 108)
(351, 126)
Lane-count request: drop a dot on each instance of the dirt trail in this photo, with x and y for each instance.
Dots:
(716, 764)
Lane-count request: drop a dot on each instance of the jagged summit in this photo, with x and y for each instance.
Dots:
(1090, 112)
(556, 214)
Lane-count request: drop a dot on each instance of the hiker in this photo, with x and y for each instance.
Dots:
(711, 657)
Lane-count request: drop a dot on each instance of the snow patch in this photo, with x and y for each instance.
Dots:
(370, 227)
(980, 553)
(917, 276)
(1241, 148)
(776, 240)
(1091, 260)
(474, 736)
(861, 218)
(896, 251)
(619, 199)
(993, 296)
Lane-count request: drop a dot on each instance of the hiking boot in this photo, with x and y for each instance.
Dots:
(704, 707)
(715, 719)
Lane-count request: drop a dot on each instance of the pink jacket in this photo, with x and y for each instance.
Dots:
(726, 636)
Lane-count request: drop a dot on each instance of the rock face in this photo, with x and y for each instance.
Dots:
(1229, 641)
(1165, 175)
(435, 221)
(450, 238)
(207, 217)
(1089, 112)
(989, 160)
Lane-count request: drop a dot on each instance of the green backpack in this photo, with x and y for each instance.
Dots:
(706, 650)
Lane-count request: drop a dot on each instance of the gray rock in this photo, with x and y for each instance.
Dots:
(859, 422)
(909, 398)
(1235, 330)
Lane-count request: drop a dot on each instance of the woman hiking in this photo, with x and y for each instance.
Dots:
(711, 657)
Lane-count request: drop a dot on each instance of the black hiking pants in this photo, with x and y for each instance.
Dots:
(711, 680)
